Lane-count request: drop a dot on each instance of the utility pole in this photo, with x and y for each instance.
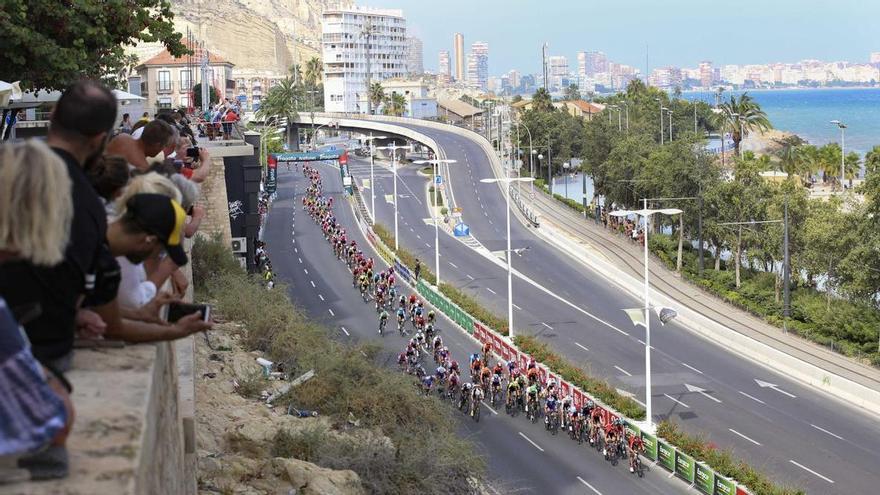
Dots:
(367, 32)
(786, 275)
(544, 63)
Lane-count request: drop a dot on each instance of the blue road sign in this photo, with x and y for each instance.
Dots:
(461, 230)
(438, 179)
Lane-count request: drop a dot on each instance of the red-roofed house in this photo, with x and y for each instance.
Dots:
(583, 109)
(166, 81)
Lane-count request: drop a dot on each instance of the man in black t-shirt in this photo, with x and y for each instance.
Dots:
(80, 125)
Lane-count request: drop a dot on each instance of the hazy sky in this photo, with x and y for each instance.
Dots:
(677, 32)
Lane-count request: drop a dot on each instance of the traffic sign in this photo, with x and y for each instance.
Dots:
(438, 179)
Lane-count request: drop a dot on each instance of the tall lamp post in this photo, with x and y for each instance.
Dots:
(507, 181)
(435, 164)
(626, 110)
(394, 149)
(842, 127)
(645, 212)
(565, 167)
(372, 139)
(670, 125)
(662, 109)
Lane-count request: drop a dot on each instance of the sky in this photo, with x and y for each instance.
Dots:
(676, 32)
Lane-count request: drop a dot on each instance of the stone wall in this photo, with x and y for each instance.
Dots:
(215, 201)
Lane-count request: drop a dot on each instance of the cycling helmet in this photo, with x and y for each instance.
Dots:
(591, 404)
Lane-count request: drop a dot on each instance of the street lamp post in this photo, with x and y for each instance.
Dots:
(842, 127)
(372, 139)
(662, 108)
(394, 149)
(507, 180)
(670, 126)
(626, 110)
(565, 167)
(436, 169)
(645, 212)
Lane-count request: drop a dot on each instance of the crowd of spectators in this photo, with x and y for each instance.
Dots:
(92, 225)
(220, 120)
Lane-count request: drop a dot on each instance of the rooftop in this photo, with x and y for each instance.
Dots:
(164, 58)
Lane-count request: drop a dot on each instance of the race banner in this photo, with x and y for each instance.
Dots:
(497, 343)
(724, 486)
(665, 455)
(651, 446)
(402, 271)
(704, 479)
(578, 398)
(684, 466)
(564, 388)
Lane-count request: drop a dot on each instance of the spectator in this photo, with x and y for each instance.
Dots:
(229, 120)
(145, 117)
(157, 136)
(195, 169)
(109, 176)
(35, 215)
(183, 126)
(82, 120)
(125, 126)
(11, 120)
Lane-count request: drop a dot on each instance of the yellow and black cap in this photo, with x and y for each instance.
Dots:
(163, 217)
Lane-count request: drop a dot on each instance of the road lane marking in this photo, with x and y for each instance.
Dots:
(426, 244)
(295, 250)
(312, 282)
(418, 236)
(300, 259)
(492, 291)
(775, 387)
(805, 468)
(750, 397)
(321, 297)
(453, 265)
(331, 312)
(673, 399)
(306, 270)
(701, 391)
(546, 325)
(826, 431)
(517, 307)
(747, 438)
(489, 408)
(530, 441)
(582, 347)
(346, 332)
(618, 368)
(691, 368)
(597, 492)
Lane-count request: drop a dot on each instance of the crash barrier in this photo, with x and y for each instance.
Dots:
(532, 216)
(663, 453)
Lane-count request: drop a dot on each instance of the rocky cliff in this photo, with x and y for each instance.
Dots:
(256, 35)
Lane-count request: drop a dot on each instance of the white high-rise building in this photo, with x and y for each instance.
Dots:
(443, 74)
(478, 65)
(557, 71)
(344, 50)
(414, 58)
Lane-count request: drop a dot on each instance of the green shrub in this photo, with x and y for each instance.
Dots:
(475, 309)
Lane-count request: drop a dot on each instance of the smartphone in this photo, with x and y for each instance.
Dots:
(193, 152)
(175, 311)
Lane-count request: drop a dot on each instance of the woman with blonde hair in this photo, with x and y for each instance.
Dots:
(36, 414)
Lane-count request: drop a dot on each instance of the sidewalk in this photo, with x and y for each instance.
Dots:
(628, 257)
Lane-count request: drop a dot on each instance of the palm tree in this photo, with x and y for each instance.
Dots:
(296, 72)
(851, 165)
(395, 105)
(541, 101)
(314, 71)
(809, 160)
(377, 95)
(872, 161)
(282, 102)
(788, 153)
(743, 115)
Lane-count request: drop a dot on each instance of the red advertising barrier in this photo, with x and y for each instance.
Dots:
(497, 343)
(578, 398)
(564, 388)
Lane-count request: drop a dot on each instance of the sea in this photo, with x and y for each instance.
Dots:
(808, 112)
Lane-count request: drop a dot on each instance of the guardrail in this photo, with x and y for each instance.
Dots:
(662, 452)
(531, 216)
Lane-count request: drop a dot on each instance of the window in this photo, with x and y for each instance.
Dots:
(164, 80)
(164, 102)
(185, 79)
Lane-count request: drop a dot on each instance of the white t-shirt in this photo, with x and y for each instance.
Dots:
(134, 288)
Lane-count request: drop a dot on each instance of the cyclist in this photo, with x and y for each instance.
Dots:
(498, 369)
(485, 374)
(636, 445)
(420, 340)
(400, 318)
(550, 407)
(611, 436)
(476, 398)
(402, 302)
(532, 364)
(567, 402)
(532, 374)
(496, 385)
(440, 373)
(466, 390)
(401, 360)
(429, 330)
(383, 319)
(597, 424)
(512, 392)
(574, 418)
(427, 384)
(551, 387)
(511, 365)
(431, 317)
(454, 382)
(453, 366)
(476, 364)
(487, 350)
(532, 393)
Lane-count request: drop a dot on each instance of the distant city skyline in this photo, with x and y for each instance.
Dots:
(682, 35)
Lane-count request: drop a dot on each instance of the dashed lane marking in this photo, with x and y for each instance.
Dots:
(331, 312)
(618, 368)
(591, 487)
(306, 270)
(492, 291)
(743, 436)
(321, 297)
(826, 431)
(300, 259)
(517, 307)
(546, 325)
(530, 441)
(673, 399)
(347, 334)
(691, 368)
(805, 468)
(489, 408)
(582, 347)
(312, 282)
(759, 401)
(453, 265)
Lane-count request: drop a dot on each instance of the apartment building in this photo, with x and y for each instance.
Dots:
(167, 81)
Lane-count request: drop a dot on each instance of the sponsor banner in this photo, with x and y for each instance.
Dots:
(685, 466)
(631, 428)
(402, 271)
(497, 343)
(565, 388)
(578, 398)
(665, 455)
(724, 486)
(704, 479)
(650, 445)
(543, 374)
(523, 362)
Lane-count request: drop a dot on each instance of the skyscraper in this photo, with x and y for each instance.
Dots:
(582, 66)
(557, 71)
(443, 67)
(478, 65)
(595, 63)
(458, 47)
(345, 49)
(414, 59)
(706, 74)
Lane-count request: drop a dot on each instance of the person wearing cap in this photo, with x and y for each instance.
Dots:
(151, 222)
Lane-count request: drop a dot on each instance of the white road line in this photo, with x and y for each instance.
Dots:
(805, 468)
(312, 282)
(428, 245)
(492, 291)
(582, 347)
(453, 265)
(468, 276)
(826, 431)
(320, 297)
(691, 368)
(306, 270)
(546, 325)
(673, 399)
(294, 241)
(759, 401)
(618, 368)
(747, 438)
(530, 441)
(489, 408)
(346, 332)
(418, 237)
(300, 259)
(295, 250)
(597, 492)
(411, 229)
(517, 307)
(331, 312)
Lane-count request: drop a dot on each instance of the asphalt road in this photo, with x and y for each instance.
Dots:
(522, 457)
(796, 433)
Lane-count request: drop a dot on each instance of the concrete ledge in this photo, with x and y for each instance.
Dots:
(127, 437)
